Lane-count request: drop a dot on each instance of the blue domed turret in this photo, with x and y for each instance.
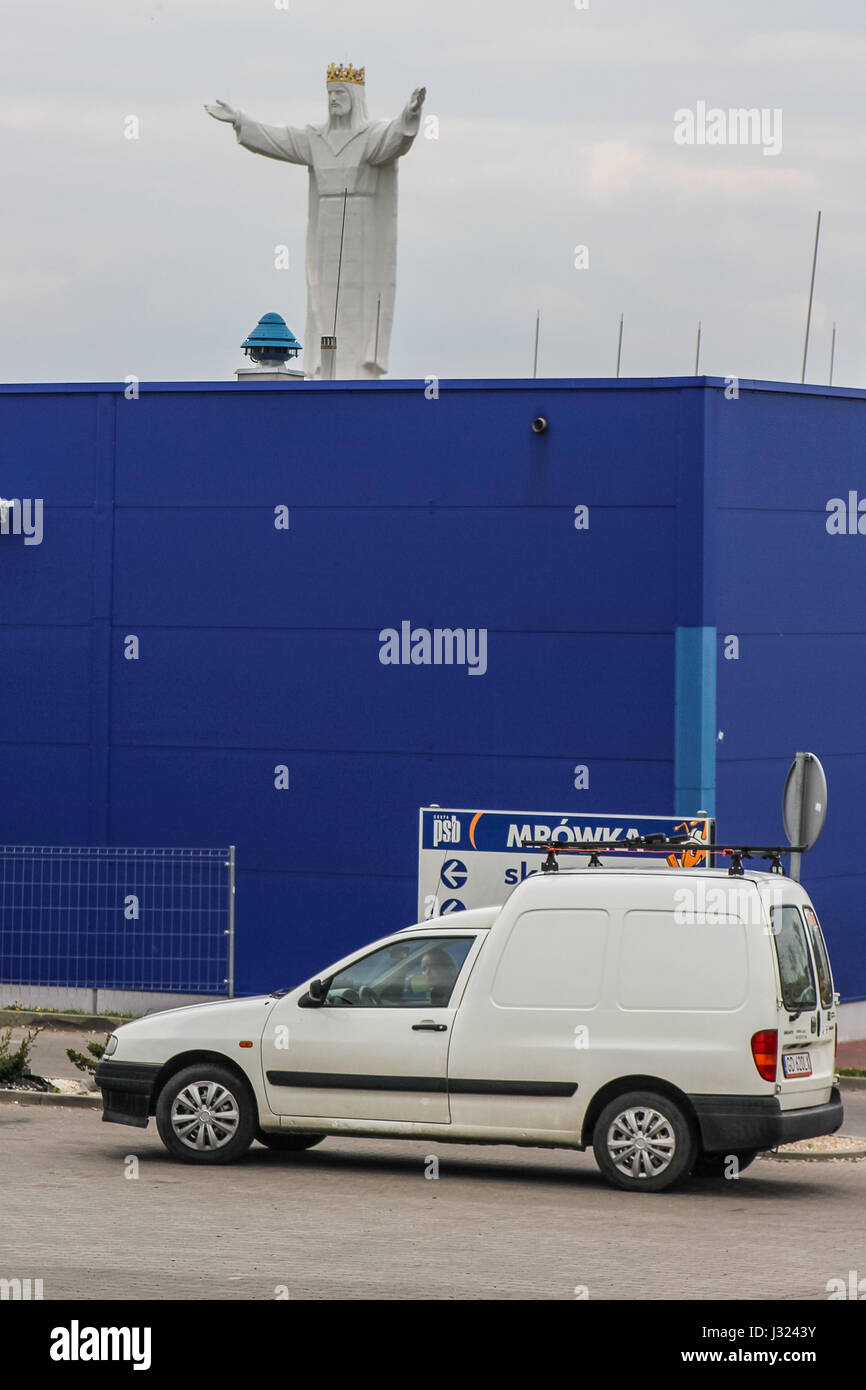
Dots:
(271, 341)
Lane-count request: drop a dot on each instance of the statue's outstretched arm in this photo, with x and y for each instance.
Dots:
(273, 141)
(397, 137)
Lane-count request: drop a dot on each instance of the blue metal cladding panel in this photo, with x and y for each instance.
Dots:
(500, 566)
(47, 438)
(326, 690)
(784, 447)
(357, 446)
(48, 583)
(45, 785)
(794, 597)
(811, 696)
(44, 687)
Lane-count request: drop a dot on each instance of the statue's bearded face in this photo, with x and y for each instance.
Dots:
(339, 100)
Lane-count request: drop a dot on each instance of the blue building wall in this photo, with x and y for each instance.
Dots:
(260, 647)
(796, 597)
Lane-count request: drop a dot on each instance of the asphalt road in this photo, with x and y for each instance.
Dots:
(357, 1219)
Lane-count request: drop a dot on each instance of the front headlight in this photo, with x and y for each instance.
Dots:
(110, 1046)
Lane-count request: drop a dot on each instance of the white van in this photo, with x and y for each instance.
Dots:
(675, 1021)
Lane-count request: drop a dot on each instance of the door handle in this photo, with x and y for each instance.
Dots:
(428, 1026)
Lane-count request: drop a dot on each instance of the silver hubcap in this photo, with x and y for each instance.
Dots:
(641, 1143)
(204, 1116)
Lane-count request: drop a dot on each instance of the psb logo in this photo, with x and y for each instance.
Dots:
(446, 830)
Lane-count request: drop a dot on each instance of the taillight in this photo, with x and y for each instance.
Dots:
(765, 1046)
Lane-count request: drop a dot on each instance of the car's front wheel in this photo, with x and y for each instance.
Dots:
(206, 1114)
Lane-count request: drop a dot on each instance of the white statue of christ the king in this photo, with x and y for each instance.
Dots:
(353, 164)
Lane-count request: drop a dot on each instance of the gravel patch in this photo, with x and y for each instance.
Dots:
(826, 1147)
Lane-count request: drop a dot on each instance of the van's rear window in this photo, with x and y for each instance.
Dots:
(822, 960)
(795, 963)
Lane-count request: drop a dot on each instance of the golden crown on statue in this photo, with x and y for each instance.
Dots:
(338, 73)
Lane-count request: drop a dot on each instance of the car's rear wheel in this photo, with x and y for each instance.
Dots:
(643, 1142)
(206, 1114)
(287, 1142)
(719, 1166)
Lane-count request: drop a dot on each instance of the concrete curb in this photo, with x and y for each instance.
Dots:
(853, 1083)
(65, 1023)
(90, 1102)
(839, 1156)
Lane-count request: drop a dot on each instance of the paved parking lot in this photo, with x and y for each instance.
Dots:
(358, 1219)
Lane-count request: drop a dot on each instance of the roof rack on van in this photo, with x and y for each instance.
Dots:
(668, 845)
(772, 852)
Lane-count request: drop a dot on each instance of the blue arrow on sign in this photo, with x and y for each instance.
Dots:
(451, 905)
(454, 873)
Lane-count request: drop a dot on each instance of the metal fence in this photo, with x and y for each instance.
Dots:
(111, 918)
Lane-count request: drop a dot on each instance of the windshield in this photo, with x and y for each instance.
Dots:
(795, 963)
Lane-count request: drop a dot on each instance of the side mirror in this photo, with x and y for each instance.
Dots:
(315, 995)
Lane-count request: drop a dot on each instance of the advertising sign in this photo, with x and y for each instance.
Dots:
(475, 858)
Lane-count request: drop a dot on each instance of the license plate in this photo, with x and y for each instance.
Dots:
(796, 1064)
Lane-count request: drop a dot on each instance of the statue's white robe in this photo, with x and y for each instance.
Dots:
(364, 161)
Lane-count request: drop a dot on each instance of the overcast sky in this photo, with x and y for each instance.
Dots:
(556, 129)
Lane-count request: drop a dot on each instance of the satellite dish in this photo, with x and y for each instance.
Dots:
(804, 801)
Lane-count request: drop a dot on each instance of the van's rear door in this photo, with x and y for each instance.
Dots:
(807, 1013)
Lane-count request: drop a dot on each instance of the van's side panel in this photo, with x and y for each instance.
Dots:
(692, 983)
(657, 988)
(529, 1018)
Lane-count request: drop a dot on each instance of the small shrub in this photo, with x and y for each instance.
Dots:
(88, 1064)
(15, 1062)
